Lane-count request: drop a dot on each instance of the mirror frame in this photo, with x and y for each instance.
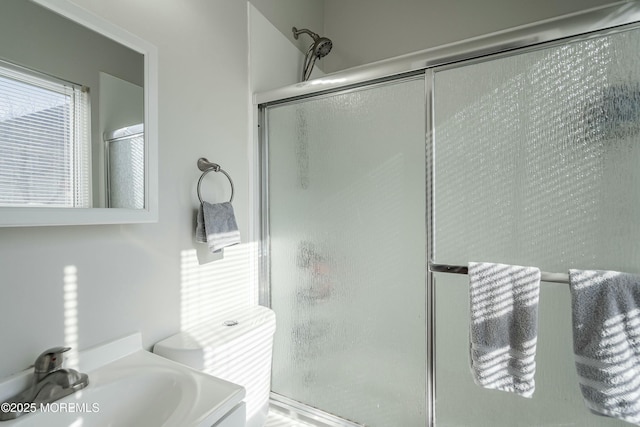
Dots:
(36, 216)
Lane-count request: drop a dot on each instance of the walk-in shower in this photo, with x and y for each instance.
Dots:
(496, 149)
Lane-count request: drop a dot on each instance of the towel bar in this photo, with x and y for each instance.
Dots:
(206, 166)
(460, 269)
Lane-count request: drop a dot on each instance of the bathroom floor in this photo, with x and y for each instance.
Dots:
(276, 419)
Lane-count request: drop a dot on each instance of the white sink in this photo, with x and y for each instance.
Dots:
(132, 387)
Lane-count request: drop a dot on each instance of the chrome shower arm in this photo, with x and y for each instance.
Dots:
(297, 32)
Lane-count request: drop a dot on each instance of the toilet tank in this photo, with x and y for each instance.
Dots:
(235, 346)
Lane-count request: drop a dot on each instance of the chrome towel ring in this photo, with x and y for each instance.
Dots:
(206, 166)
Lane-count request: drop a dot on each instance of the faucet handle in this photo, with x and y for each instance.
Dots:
(50, 360)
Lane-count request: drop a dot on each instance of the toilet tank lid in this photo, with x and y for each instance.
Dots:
(222, 330)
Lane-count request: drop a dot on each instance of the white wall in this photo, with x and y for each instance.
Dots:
(285, 14)
(365, 31)
(274, 60)
(146, 277)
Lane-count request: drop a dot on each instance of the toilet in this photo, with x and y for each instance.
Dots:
(235, 346)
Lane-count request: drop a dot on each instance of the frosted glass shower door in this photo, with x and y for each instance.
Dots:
(537, 159)
(346, 189)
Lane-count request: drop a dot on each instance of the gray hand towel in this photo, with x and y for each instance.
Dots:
(216, 225)
(504, 326)
(606, 341)
(201, 234)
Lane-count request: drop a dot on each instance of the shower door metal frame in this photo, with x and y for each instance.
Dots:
(577, 26)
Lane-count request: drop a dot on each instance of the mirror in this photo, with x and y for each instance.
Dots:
(98, 83)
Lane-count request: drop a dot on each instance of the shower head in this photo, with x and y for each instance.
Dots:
(319, 49)
(322, 47)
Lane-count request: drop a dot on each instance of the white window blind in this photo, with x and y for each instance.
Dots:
(44, 141)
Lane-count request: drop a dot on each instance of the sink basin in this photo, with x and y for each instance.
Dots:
(129, 386)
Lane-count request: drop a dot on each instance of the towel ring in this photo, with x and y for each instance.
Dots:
(206, 166)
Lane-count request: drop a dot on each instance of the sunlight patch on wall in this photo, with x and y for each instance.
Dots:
(71, 315)
(209, 289)
(245, 359)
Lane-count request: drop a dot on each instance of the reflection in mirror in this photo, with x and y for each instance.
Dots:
(125, 167)
(44, 140)
(78, 118)
(63, 87)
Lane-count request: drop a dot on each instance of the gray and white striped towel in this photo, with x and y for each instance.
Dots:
(504, 326)
(606, 341)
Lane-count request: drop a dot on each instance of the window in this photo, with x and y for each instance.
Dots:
(44, 140)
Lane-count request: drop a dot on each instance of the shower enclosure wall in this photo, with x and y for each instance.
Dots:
(521, 148)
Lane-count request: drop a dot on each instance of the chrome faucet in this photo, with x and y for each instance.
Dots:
(50, 383)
